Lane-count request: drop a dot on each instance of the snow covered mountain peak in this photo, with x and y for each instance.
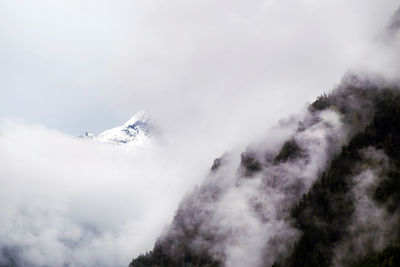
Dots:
(141, 116)
(136, 131)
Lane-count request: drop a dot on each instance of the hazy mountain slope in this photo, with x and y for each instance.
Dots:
(321, 189)
(302, 198)
(351, 212)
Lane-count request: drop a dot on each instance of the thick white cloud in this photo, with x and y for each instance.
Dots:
(66, 199)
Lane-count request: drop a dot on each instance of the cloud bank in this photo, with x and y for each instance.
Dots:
(71, 200)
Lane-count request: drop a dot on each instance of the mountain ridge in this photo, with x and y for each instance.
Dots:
(298, 206)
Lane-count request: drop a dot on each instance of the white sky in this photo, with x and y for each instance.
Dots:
(193, 65)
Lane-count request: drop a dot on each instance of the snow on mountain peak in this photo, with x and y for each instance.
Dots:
(140, 116)
(136, 131)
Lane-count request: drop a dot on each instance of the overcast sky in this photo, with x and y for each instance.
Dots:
(214, 74)
(90, 65)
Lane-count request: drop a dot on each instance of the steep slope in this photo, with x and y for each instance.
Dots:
(351, 213)
(306, 196)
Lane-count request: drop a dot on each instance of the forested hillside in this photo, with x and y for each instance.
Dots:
(326, 214)
(327, 196)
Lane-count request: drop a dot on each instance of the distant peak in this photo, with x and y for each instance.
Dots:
(137, 130)
(141, 116)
